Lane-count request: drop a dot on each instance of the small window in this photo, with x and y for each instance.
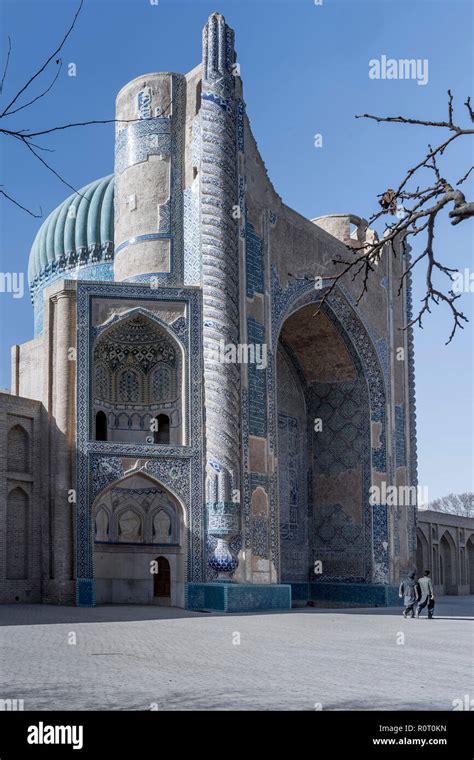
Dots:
(100, 426)
(162, 432)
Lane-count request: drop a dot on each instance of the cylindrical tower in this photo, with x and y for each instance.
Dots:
(149, 179)
(220, 287)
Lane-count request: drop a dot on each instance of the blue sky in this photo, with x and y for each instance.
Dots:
(305, 71)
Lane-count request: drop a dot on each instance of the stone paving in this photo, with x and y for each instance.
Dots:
(142, 658)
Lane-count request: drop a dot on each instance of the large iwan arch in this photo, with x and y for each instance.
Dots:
(331, 416)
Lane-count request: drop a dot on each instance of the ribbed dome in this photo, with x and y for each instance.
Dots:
(78, 232)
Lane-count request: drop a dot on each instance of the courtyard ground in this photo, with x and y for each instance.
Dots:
(142, 658)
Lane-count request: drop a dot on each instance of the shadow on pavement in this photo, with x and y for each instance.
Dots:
(453, 608)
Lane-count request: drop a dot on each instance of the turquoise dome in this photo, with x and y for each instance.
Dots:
(78, 233)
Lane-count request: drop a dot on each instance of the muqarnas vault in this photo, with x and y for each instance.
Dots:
(139, 467)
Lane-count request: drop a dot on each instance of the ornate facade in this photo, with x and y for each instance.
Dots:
(150, 465)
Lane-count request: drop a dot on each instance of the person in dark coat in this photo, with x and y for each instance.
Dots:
(409, 592)
(426, 595)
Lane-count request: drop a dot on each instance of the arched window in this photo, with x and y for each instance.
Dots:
(161, 434)
(101, 426)
(18, 450)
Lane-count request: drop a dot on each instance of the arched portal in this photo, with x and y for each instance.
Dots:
(447, 551)
(130, 519)
(162, 580)
(324, 447)
(422, 553)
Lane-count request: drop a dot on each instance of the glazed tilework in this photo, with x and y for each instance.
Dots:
(361, 348)
(257, 383)
(400, 435)
(141, 139)
(254, 261)
(220, 269)
(100, 463)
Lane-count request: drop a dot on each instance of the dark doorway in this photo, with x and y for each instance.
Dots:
(100, 426)
(162, 579)
(447, 551)
(162, 432)
(470, 563)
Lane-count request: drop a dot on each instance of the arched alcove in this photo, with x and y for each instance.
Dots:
(130, 518)
(470, 562)
(323, 451)
(447, 550)
(422, 553)
(137, 370)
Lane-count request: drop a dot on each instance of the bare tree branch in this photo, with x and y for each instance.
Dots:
(50, 168)
(41, 95)
(417, 211)
(464, 178)
(45, 64)
(6, 64)
(28, 211)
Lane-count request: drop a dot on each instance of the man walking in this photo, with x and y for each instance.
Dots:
(410, 593)
(426, 595)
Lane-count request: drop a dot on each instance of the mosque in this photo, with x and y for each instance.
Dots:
(146, 462)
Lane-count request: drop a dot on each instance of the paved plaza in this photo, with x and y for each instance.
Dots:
(142, 658)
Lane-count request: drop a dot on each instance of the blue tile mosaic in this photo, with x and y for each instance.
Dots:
(257, 383)
(254, 261)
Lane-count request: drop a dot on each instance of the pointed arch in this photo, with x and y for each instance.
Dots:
(142, 362)
(129, 524)
(102, 523)
(422, 553)
(447, 550)
(362, 530)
